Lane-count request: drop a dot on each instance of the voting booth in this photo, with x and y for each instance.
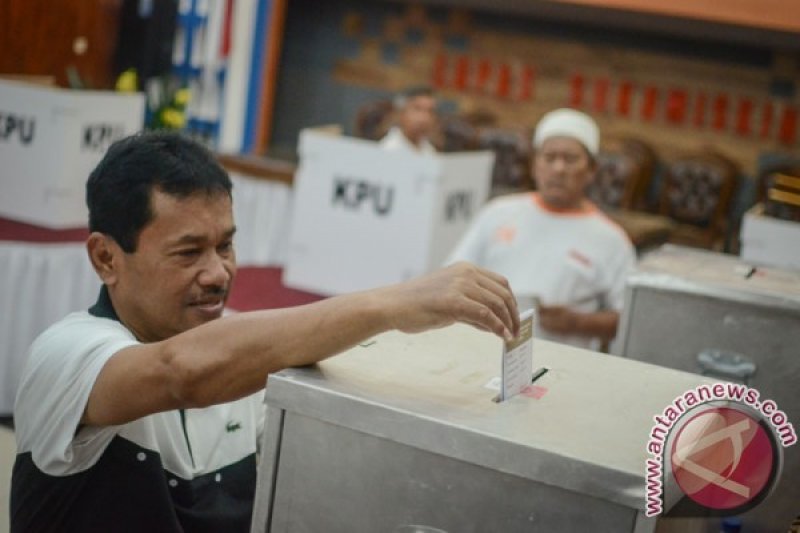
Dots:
(364, 216)
(50, 140)
(403, 430)
(719, 316)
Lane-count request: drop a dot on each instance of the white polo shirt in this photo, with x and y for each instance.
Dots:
(395, 139)
(175, 471)
(578, 258)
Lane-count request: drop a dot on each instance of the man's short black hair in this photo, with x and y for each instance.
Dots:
(119, 189)
(408, 93)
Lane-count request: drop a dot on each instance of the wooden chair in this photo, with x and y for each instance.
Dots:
(648, 162)
(767, 176)
(458, 134)
(512, 164)
(697, 194)
(372, 120)
(624, 170)
(781, 194)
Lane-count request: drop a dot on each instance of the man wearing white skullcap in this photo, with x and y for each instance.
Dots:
(560, 253)
(568, 123)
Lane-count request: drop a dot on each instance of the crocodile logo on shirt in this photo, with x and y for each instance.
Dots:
(232, 426)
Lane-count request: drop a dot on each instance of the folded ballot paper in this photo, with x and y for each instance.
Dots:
(517, 363)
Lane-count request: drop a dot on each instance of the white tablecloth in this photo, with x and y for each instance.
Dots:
(40, 284)
(261, 211)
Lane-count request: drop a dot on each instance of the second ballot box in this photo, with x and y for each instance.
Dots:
(723, 317)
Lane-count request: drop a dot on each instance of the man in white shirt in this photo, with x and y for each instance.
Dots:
(560, 253)
(142, 413)
(414, 121)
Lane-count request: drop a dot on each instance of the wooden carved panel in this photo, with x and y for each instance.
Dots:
(676, 103)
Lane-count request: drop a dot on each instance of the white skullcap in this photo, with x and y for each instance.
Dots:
(568, 123)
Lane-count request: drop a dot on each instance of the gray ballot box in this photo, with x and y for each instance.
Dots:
(718, 316)
(403, 430)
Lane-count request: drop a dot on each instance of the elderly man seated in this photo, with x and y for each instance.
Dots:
(560, 253)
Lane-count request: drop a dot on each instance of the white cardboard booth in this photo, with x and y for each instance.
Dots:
(50, 140)
(770, 241)
(365, 216)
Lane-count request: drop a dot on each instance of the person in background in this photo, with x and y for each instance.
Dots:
(143, 413)
(560, 253)
(414, 121)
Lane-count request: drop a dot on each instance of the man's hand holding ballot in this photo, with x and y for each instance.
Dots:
(460, 293)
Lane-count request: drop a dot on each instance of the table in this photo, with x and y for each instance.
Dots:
(645, 230)
(41, 283)
(261, 211)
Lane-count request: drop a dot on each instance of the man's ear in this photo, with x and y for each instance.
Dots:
(105, 255)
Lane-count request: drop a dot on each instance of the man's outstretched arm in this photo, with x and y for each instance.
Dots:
(231, 357)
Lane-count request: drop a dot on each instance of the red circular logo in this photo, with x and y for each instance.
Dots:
(723, 458)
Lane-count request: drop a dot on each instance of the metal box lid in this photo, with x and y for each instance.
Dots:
(586, 433)
(688, 270)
